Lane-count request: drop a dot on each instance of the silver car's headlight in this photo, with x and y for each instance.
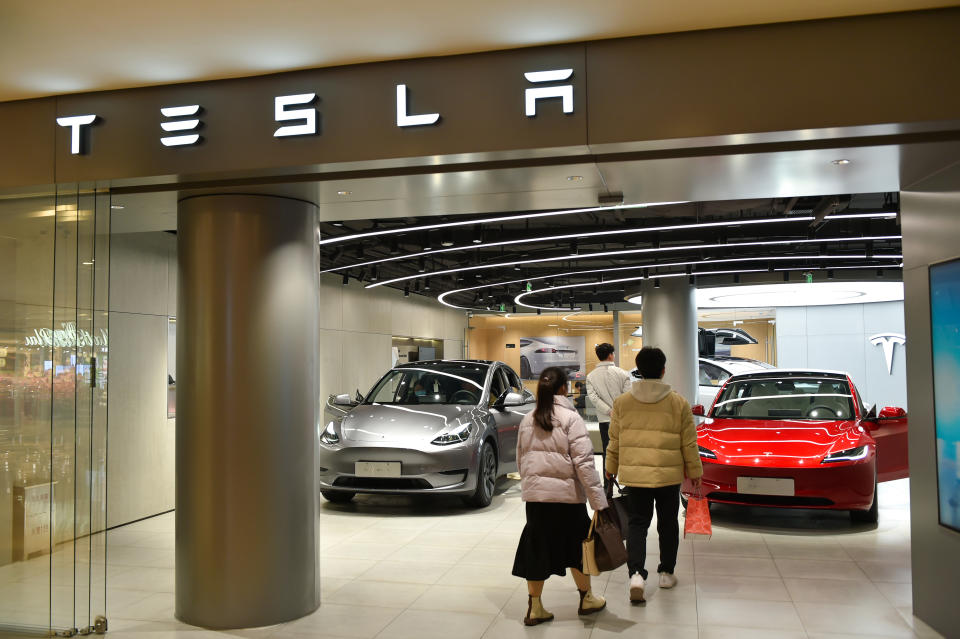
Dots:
(850, 454)
(457, 436)
(329, 435)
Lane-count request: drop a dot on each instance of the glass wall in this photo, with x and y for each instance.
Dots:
(54, 258)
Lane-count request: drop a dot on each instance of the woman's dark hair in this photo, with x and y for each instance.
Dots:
(650, 362)
(552, 379)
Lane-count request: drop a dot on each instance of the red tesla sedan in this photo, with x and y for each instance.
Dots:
(799, 439)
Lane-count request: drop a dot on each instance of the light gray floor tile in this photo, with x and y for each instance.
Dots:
(735, 566)
(362, 622)
(436, 624)
(896, 572)
(463, 599)
(739, 632)
(383, 594)
(405, 572)
(852, 592)
(814, 569)
(772, 615)
(731, 587)
(872, 621)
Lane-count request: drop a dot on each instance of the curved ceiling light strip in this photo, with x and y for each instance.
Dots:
(442, 297)
(489, 220)
(663, 249)
(520, 296)
(579, 236)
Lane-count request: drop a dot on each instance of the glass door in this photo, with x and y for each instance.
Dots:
(54, 259)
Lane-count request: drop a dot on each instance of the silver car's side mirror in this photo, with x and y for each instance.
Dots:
(343, 400)
(512, 399)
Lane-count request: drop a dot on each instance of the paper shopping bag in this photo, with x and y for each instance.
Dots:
(698, 518)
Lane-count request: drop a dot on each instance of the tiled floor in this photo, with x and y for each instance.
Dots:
(397, 568)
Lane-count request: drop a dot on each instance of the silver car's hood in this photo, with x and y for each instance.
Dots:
(413, 423)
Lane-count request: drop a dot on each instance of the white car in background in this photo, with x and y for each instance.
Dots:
(714, 371)
(536, 355)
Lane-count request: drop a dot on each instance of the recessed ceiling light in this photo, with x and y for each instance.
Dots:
(116, 207)
(574, 178)
(841, 162)
(344, 192)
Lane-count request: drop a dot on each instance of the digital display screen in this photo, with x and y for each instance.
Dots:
(945, 335)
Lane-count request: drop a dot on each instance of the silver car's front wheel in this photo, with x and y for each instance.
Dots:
(486, 477)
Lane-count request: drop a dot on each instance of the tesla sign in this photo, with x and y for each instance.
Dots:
(184, 123)
(888, 341)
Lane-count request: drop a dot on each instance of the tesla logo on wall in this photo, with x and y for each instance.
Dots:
(888, 341)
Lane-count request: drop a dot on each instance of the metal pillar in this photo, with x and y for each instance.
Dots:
(247, 531)
(670, 324)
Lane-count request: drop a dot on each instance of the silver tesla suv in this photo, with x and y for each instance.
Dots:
(436, 427)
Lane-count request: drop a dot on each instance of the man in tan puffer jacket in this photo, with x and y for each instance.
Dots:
(653, 446)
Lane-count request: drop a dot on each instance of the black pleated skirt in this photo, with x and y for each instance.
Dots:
(552, 540)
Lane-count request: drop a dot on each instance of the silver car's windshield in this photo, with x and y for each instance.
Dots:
(452, 384)
(785, 398)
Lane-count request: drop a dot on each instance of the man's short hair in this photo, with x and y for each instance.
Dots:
(650, 362)
(603, 351)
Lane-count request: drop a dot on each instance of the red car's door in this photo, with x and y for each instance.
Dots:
(889, 428)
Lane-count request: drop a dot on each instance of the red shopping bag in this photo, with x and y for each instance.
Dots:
(697, 521)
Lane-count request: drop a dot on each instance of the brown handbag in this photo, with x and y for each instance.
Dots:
(603, 549)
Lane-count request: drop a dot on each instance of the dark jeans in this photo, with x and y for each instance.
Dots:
(640, 503)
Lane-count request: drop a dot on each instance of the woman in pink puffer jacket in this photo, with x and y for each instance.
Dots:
(557, 476)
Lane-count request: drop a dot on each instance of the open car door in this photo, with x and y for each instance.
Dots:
(889, 429)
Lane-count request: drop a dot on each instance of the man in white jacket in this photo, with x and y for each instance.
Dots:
(604, 384)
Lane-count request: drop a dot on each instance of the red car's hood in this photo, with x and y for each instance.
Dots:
(779, 443)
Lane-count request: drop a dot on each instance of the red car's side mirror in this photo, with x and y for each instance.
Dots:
(892, 412)
(698, 410)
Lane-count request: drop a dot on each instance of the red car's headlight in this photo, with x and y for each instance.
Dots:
(851, 454)
(706, 453)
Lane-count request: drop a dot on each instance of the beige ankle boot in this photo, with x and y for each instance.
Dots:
(535, 612)
(590, 603)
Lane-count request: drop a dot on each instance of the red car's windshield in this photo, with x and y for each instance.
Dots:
(785, 398)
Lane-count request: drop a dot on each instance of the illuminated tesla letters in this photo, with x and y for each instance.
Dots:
(411, 120)
(75, 122)
(282, 114)
(180, 125)
(564, 91)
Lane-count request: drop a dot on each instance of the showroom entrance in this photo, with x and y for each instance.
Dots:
(475, 185)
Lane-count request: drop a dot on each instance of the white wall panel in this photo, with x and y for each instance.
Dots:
(791, 321)
(838, 338)
(845, 319)
(356, 352)
(364, 310)
(139, 272)
(140, 437)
